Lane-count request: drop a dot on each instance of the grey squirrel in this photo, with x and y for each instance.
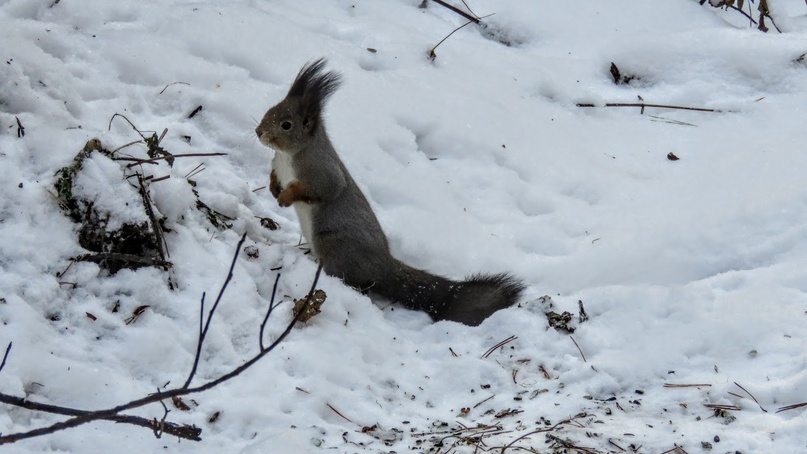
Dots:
(339, 223)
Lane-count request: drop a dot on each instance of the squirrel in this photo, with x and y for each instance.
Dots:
(338, 222)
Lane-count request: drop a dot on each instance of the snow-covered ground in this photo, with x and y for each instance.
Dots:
(692, 271)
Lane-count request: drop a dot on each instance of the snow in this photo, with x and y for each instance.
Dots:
(692, 271)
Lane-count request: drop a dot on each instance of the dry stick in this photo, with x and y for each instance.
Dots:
(485, 400)
(109, 127)
(611, 442)
(744, 13)
(643, 105)
(722, 407)
(110, 412)
(178, 430)
(172, 83)
(138, 161)
(431, 53)
(5, 357)
(458, 11)
(500, 344)
(162, 245)
(791, 407)
(687, 385)
(124, 146)
(340, 414)
(579, 349)
(752, 396)
(194, 171)
(736, 395)
(268, 312)
(203, 331)
(20, 128)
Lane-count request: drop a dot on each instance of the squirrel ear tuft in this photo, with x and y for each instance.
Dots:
(313, 87)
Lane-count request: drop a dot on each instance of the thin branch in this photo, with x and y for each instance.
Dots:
(113, 413)
(268, 312)
(500, 344)
(431, 53)
(752, 396)
(458, 11)
(579, 349)
(203, 331)
(5, 356)
(109, 127)
(644, 105)
(172, 83)
(687, 385)
(159, 239)
(138, 161)
(340, 414)
(791, 407)
(178, 430)
(744, 14)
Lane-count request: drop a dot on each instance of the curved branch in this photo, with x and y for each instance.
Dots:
(112, 414)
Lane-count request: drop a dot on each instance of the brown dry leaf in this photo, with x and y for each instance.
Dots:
(180, 404)
(312, 309)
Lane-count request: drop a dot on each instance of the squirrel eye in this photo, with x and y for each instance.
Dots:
(286, 125)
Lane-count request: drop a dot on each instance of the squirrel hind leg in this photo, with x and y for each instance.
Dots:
(479, 296)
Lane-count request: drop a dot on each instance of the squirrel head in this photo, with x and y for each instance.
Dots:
(296, 120)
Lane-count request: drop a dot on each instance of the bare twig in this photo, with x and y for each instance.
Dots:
(500, 344)
(484, 400)
(177, 430)
(579, 349)
(268, 312)
(109, 127)
(644, 105)
(203, 331)
(744, 14)
(431, 53)
(722, 407)
(791, 407)
(340, 414)
(752, 396)
(196, 170)
(172, 83)
(20, 128)
(462, 13)
(687, 385)
(162, 245)
(5, 356)
(81, 417)
(138, 161)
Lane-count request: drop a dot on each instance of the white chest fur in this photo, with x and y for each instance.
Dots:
(284, 172)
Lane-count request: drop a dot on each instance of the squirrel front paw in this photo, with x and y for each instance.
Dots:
(296, 191)
(274, 184)
(285, 198)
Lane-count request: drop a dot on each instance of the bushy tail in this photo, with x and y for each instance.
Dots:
(469, 302)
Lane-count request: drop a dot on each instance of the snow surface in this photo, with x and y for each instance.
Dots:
(692, 271)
